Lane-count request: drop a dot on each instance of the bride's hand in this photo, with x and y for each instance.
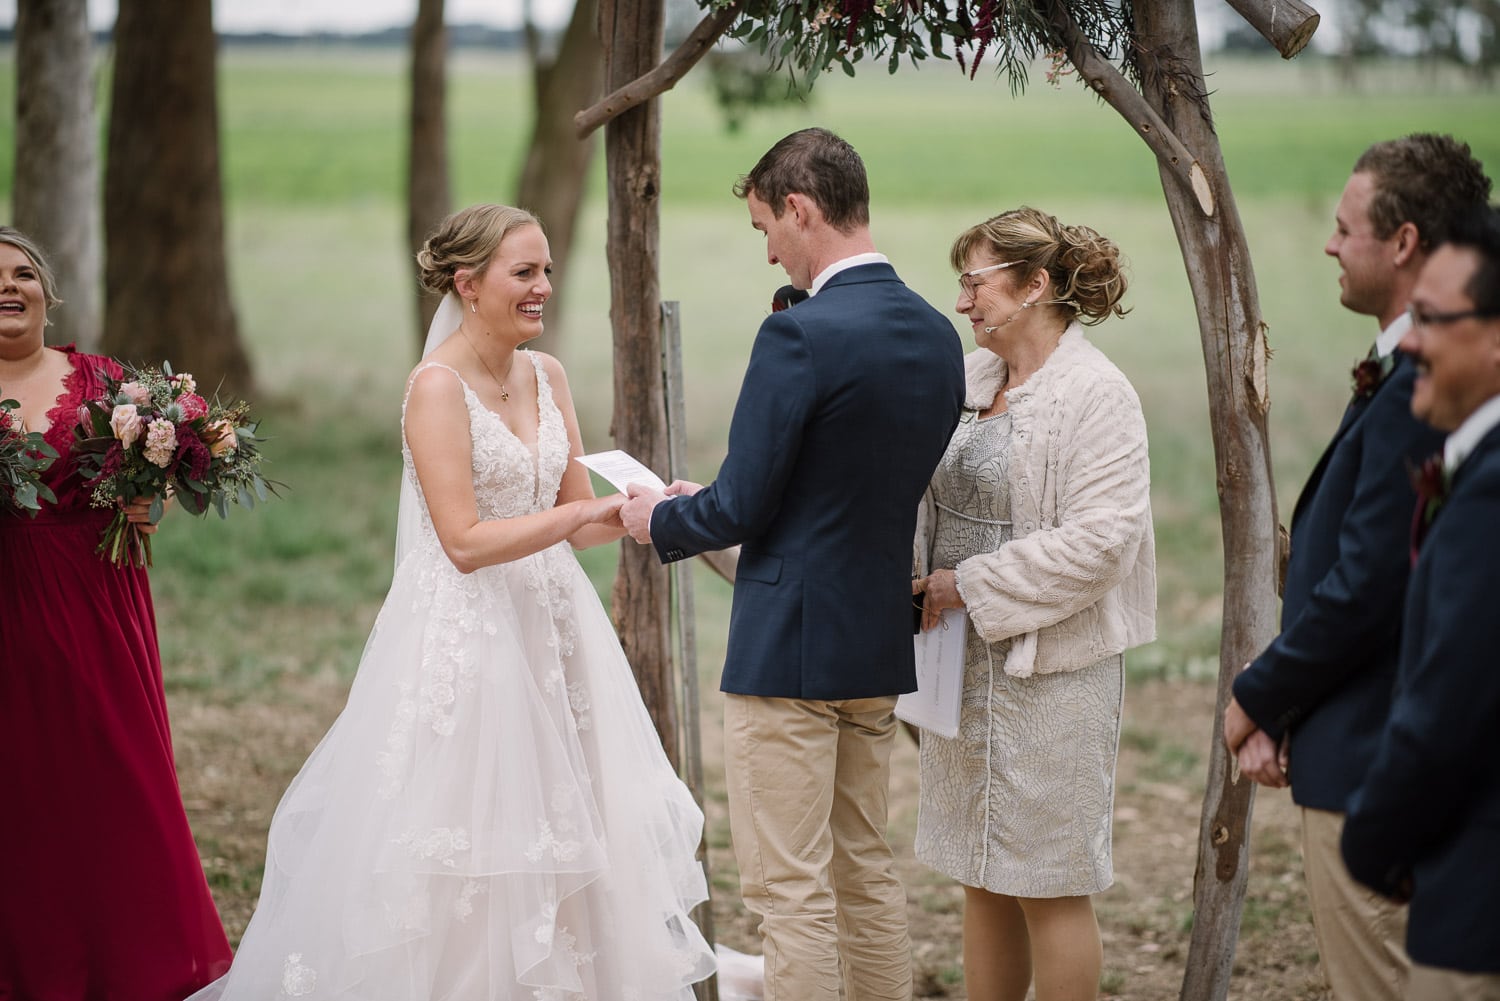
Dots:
(603, 510)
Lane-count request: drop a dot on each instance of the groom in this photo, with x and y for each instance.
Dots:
(847, 404)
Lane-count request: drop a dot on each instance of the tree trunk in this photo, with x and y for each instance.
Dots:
(556, 171)
(1234, 351)
(56, 191)
(166, 277)
(632, 34)
(427, 195)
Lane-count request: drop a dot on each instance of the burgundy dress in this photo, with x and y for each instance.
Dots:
(102, 895)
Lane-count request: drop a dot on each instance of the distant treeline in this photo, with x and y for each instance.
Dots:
(475, 36)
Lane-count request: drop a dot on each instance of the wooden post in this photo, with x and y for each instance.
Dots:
(1217, 256)
(687, 633)
(631, 31)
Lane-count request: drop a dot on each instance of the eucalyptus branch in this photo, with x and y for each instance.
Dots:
(665, 76)
(1110, 84)
(1286, 24)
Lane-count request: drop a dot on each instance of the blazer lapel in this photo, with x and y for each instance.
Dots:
(1352, 414)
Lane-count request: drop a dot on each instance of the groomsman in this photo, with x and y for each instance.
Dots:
(1309, 710)
(1425, 823)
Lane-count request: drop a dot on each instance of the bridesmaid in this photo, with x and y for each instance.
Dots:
(102, 894)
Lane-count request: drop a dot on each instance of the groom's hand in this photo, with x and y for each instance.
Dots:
(636, 514)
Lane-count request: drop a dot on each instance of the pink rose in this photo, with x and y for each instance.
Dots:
(135, 393)
(193, 406)
(224, 440)
(125, 422)
(161, 442)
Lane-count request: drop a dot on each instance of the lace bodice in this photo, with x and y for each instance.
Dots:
(510, 477)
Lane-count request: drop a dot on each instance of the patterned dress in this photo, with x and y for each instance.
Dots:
(1020, 801)
(492, 816)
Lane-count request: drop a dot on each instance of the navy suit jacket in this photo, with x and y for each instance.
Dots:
(1327, 677)
(847, 405)
(1429, 808)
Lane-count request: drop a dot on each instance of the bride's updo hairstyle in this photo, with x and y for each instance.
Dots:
(467, 239)
(1087, 272)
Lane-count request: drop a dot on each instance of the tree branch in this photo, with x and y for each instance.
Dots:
(1286, 24)
(1110, 84)
(665, 76)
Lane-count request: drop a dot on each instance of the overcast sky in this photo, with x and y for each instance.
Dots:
(298, 16)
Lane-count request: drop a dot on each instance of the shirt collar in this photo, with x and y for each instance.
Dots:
(1470, 433)
(844, 265)
(1391, 336)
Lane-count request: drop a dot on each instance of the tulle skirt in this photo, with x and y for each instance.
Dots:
(491, 816)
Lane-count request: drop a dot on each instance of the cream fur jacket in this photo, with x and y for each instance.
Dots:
(1077, 581)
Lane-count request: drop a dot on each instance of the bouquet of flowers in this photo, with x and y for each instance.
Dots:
(151, 435)
(23, 458)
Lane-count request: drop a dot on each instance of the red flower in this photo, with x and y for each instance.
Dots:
(193, 456)
(193, 406)
(1431, 481)
(112, 463)
(1369, 374)
(786, 297)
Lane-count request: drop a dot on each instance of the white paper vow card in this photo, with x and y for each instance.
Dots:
(940, 676)
(621, 469)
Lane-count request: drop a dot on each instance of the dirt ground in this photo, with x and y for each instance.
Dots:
(236, 758)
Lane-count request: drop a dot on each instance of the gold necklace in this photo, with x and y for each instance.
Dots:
(504, 393)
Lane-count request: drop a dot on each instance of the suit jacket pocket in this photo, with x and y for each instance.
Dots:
(762, 567)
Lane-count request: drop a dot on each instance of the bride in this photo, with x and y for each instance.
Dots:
(492, 815)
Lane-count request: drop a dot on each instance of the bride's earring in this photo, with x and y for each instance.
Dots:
(473, 308)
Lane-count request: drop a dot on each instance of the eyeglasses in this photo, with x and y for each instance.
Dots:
(1426, 318)
(968, 286)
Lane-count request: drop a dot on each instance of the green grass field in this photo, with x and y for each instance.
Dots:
(313, 154)
(262, 617)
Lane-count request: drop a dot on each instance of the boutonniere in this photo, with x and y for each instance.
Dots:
(1432, 481)
(1370, 373)
(786, 297)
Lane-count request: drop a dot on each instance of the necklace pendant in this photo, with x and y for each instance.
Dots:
(504, 395)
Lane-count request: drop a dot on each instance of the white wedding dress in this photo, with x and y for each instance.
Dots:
(492, 815)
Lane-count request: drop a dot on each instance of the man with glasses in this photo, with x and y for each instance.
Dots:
(847, 405)
(1425, 824)
(1309, 710)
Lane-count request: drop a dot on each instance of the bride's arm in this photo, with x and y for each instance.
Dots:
(437, 430)
(576, 485)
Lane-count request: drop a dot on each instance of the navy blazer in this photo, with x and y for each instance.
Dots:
(1429, 808)
(1327, 677)
(848, 402)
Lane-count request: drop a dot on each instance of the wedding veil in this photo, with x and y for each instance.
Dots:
(409, 511)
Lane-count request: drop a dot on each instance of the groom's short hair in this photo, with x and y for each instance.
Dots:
(820, 165)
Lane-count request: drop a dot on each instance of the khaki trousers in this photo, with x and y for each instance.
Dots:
(1429, 983)
(1361, 935)
(808, 783)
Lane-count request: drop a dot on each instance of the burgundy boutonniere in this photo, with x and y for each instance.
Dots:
(1370, 373)
(1431, 481)
(786, 297)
